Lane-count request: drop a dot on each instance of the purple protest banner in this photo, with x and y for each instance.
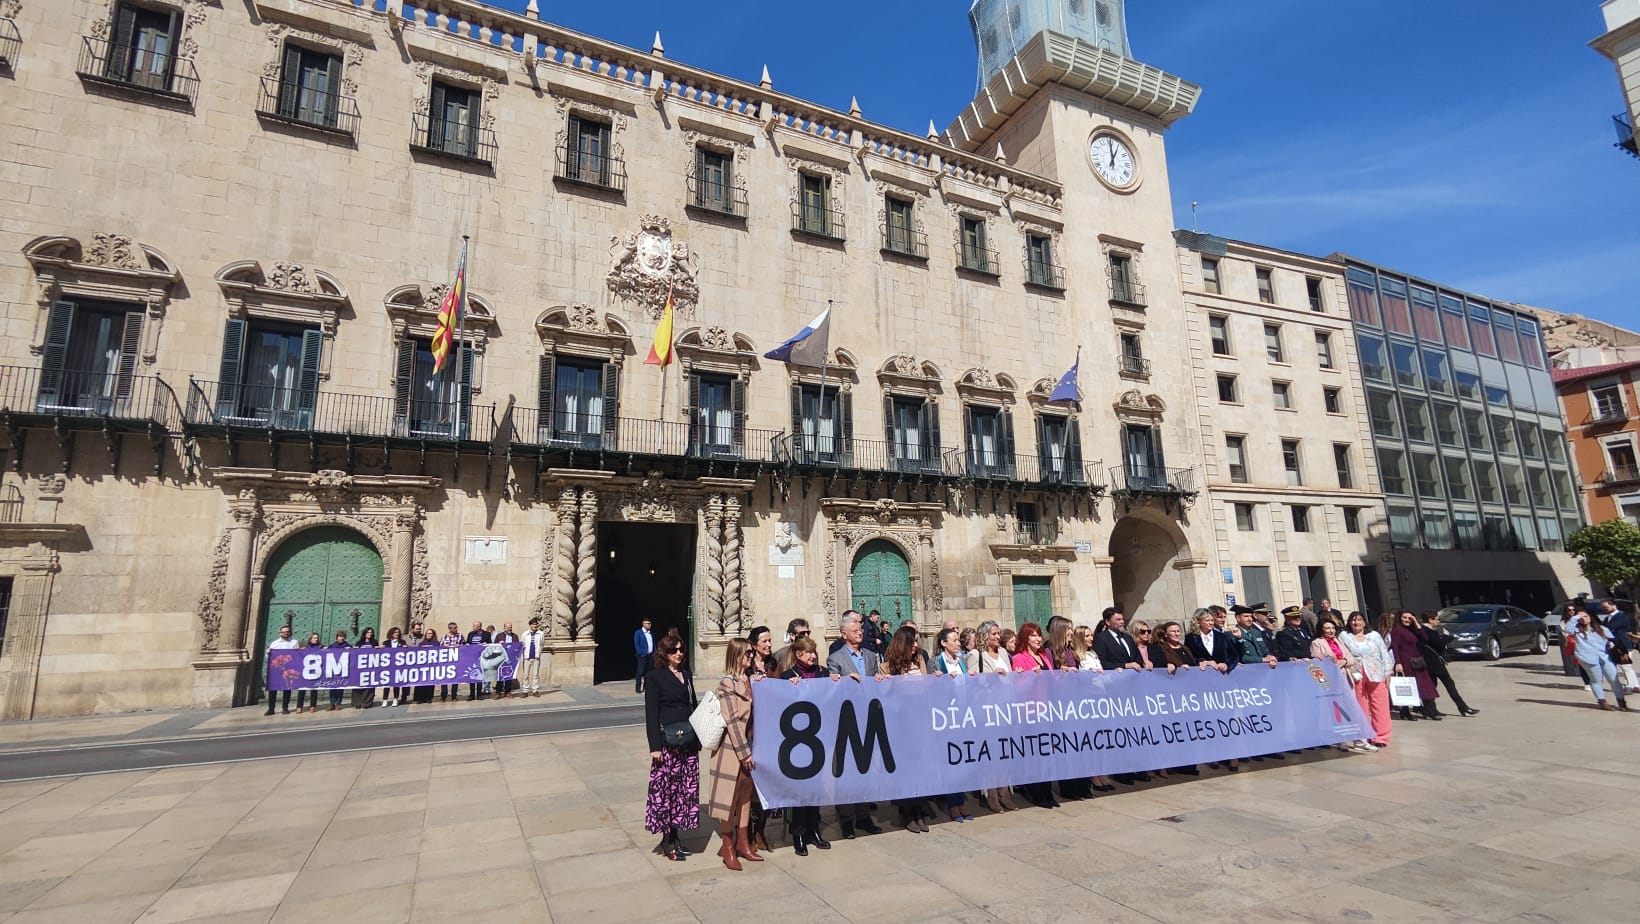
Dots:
(824, 743)
(422, 665)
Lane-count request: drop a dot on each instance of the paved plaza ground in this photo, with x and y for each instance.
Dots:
(1515, 815)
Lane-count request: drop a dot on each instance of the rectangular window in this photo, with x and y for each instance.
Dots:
(1210, 275)
(1531, 439)
(1218, 327)
(1312, 582)
(1554, 445)
(1415, 415)
(1525, 529)
(1312, 288)
(1426, 315)
(1452, 322)
(588, 154)
(1457, 477)
(1495, 530)
(1281, 393)
(823, 418)
(577, 403)
(1272, 343)
(1514, 484)
(1392, 470)
(716, 426)
(1565, 494)
(1549, 536)
(1537, 487)
(1508, 342)
(1133, 356)
(90, 358)
(1352, 519)
(1363, 294)
(1301, 519)
(1245, 522)
(1331, 401)
(1059, 447)
(429, 404)
(1607, 401)
(1531, 347)
(1403, 527)
(976, 255)
(1373, 362)
(1466, 529)
(453, 120)
(1503, 434)
(1469, 384)
(1266, 285)
(1480, 330)
(1291, 463)
(899, 234)
(1448, 429)
(1620, 462)
(815, 212)
(990, 441)
(1255, 583)
(1476, 429)
(1039, 261)
(1122, 283)
(1146, 468)
(1437, 528)
(310, 87)
(1426, 474)
(1324, 349)
(1385, 416)
(1404, 357)
(913, 431)
(1235, 452)
(270, 374)
(1487, 490)
(1341, 462)
(142, 50)
(1435, 371)
(1397, 313)
(714, 181)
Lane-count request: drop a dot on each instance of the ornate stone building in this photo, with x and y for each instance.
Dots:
(228, 230)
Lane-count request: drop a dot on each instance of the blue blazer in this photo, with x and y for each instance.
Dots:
(639, 646)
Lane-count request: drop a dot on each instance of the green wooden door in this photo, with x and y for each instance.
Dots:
(1033, 600)
(322, 580)
(881, 580)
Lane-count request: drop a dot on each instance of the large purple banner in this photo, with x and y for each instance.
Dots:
(349, 668)
(824, 743)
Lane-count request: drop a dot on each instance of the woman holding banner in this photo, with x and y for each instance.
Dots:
(731, 801)
(803, 663)
(424, 693)
(991, 656)
(311, 697)
(1330, 648)
(1031, 656)
(1370, 649)
(950, 662)
(904, 658)
(674, 770)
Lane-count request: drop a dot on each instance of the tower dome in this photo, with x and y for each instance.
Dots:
(1002, 27)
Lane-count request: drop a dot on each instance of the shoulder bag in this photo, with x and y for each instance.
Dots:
(681, 734)
(707, 721)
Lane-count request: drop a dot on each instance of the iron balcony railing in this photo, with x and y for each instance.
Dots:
(717, 198)
(11, 42)
(1125, 291)
(858, 455)
(1044, 274)
(1625, 133)
(601, 171)
(255, 407)
(287, 101)
(453, 138)
(1038, 533)
(108, 396)
(1605, 414)
(1051, 469)
(139, 68)
(1135, 365)
(904, 241)
(11, 504)
(978, 259)
(1620, 474)
(675, 439)
(819, 220)
(1145, 479)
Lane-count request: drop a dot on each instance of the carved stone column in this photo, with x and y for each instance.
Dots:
(563, 588)
(713, 585)
(236, 596)
(401, 577)
(586, 569)
(732, 577)
(26, 631)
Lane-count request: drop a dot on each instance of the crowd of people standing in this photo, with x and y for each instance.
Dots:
(1369, 652)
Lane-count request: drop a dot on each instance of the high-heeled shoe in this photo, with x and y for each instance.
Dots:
(992, 803)
(1468, 711)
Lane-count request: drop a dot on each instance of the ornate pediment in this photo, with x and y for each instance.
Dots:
(1136, 405)
(647, 266)
(579, 329)
(280, 281)
(988, 387)
(908, 372)
(414, 310)
(108, 267)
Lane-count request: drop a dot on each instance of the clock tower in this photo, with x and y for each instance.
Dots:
(1062, 97)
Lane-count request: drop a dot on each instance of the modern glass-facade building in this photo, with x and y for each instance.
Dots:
(1466, 426)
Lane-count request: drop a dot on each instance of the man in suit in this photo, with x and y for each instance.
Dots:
(1307, 613)
(504, 688)
(529, 668)
(1114, 648)
(1293, 641)
(477, 637)
(854, 659)
(1621, 625)
(878, 632)
(643, 645)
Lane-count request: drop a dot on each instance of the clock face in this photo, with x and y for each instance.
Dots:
(1113, 161)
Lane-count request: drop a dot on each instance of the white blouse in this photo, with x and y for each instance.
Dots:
(1376, 661)
(1090, 662)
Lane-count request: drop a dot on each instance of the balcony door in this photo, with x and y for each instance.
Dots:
(453, 127)
(1059, 449)
(270, 374)
(90, 357)
(310, 86)
(143, 49)
(913, 430)
(1142, 448)
(579, 400)
(990, 442)
(432, 405)
(823, 422)
(717, 414)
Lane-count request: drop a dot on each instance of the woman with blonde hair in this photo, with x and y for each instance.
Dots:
(731, 792)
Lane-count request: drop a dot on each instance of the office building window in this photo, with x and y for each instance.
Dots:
(1392, 471)
(1312, 582)
(1448, 429)
(1312, 288)
(1266, 285)
(1244, 518)
(1352, 519)
(1363, 296)
(1457, 478)
(1373, 364)
(1219, 329)
(1487, 490)
(1397, 315)
(1435, 371)
(1426, 316)
(1301, 519)
(1235, 451)
(1227, 389)
(1415, 415)
(1272, 343)
(1403, 527)
(1404, 357)
(1324, 349)
(1385, 417)
(1331, 401)
(1255, 583)
(1426, 473)
(1281, 393)
(1291, 462)
(1341, 462)
(1210, 275)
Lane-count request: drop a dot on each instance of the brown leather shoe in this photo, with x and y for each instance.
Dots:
(727, 851)
(743, 847)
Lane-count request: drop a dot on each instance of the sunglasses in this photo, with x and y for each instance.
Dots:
(1142, 631)
(804, 633)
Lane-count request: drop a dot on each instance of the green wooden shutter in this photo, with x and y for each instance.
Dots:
(228, 378)
(800, 447)
(436, 115)
(1044, 454)
(404, 373)
(58, 326)
(737, 412)
(172, 51)
(130, 345)
(546, 423)
(932, 462)
(121, 48)
(572, 154)
(1007, 442)
(691, 411)
(892, 453)
(290, 81)
(333, 89)
(465, 392)
(1073, 452)
(845, 428)
(307, 379)
(612, 404)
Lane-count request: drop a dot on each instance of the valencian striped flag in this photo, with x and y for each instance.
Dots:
(660, 353)
(449, 315)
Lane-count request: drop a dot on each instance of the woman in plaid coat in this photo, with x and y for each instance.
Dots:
(731, 794)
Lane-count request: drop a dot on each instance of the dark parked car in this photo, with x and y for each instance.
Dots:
(1493, 630)
(1551, 621)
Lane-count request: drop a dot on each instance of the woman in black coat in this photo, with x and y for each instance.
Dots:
(674, 771)
(803, 662)
(1436, 638)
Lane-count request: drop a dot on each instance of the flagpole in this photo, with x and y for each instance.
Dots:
(1070, 421)
(819, 406)
(461, 335)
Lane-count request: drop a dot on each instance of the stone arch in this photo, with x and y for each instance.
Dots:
(275, 536)
(1151, 567)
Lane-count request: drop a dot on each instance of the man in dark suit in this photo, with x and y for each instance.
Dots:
(478, 636)
(643, 645)
(504, 688)
(1293, 641)
(1114, 648)
(854, 659)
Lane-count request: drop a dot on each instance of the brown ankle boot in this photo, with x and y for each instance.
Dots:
(743, 847)
(727, 851)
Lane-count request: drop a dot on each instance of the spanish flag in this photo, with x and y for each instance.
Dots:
(660, 353)
(449, 315)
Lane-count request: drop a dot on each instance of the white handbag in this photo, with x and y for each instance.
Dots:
(707, 721)
(1403, 691)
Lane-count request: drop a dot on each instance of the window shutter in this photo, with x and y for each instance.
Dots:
(172, 48)
(466, 391)
(612, 404)
(1008, 441)
(888, 428)
(931, 433)
(845, 428)
(1044, 452)
(130, 344)
(737, 410)
(572, 153)
(692, 412)
(404, 373)
(58, 326)
(290, 81)
(703, 180)
(546, 421)
(307, 379)
(228, 379)
(121, 46)
(1157, 463)
(1073, 451)
(333, 88)
(800, 447)
(436, 114)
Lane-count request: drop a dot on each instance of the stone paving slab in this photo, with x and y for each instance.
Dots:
(1486, 819)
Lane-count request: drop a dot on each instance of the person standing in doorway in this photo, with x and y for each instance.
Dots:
(529, 671)
(643, 645)
(284, 642)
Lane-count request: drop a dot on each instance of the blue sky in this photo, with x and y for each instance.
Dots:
(1465, 141)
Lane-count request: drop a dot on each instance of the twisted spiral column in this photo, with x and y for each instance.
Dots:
(563, 589)
(586, 567)
(732, 577)
(714, 564)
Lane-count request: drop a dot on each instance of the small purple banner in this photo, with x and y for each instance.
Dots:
(362, 668)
